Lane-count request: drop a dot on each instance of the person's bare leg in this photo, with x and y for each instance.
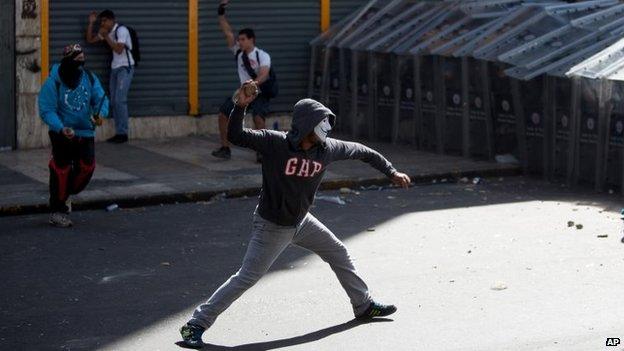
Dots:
(223, 152)
(223, 126)
(259, 122)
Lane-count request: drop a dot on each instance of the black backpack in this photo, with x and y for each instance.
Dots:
(270, 88)
(136, 48)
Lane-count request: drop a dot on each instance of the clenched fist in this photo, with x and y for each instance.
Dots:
(401, 179)
(97, 120)
(246, 93)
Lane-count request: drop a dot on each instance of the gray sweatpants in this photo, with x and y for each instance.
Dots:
(268, 240)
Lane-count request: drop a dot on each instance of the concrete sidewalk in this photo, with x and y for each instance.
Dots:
(148, 172)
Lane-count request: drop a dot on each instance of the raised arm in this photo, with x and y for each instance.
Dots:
(92, 38)
(346, 150)
(258, 140)
(225, 25)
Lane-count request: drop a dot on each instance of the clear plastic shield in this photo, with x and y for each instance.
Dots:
(504, 116)
(453, 110)
(429, 102)
(533, 96)
(407, 101)
(562, 143)
(385, 91)
(478, 110)
(615, 151)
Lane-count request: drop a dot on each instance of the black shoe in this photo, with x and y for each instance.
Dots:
(258, 157)
(118, 139)
(192, 335)
(377, 310)
(222, 152)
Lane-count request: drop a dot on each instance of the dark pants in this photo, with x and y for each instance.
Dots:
(71, 167)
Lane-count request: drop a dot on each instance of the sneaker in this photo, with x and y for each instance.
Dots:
(192, 335)
(376, 309)
(60, 220)
(258, 157)
(222, 152)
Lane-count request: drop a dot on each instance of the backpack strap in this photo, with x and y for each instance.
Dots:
(248, 68)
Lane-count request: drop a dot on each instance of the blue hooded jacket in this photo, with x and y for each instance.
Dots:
(72, 108)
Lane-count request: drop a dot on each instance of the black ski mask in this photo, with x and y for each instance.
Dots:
(70, 70)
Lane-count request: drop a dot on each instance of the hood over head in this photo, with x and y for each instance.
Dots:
(307, 114)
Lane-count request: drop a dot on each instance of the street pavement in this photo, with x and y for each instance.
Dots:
(147, 172)
(491, 266)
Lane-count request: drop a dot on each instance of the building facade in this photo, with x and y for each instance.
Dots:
(186, 69)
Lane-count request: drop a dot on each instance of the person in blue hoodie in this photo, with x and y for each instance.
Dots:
(72, 103)
(293, 167)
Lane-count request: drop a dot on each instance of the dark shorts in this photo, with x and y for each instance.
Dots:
(259, 107)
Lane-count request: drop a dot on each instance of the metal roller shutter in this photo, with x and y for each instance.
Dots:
(160, 84)
(341, 8)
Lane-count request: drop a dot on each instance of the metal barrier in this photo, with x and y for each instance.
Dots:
(540, 80)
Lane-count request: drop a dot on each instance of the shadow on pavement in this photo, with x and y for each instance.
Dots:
(297, 340)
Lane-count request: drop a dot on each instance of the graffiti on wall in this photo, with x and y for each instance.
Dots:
(29, 9)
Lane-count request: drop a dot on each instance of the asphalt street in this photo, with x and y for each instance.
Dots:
(492, 266)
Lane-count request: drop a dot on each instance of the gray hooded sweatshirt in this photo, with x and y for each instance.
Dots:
(291, 175)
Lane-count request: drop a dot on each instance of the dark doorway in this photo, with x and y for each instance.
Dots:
(7, 75)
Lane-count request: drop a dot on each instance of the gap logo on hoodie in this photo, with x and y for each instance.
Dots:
(301, 167)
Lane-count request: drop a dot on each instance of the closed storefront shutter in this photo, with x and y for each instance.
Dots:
(160, 84)
(341, 8)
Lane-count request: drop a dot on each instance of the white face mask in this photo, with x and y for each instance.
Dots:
(322, 129)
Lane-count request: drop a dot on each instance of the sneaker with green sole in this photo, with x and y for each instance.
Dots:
(192, 335)
(376, 309)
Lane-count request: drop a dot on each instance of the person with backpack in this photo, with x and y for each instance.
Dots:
(123, 43)
(252, 64)
(72, 103)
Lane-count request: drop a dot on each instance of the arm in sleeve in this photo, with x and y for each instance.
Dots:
(264, 67)
(123, 36)
(48, 105)
(227, 31)
(258, 140)
(98, 96)
(117, 45)
(346, 150)
(265, 59)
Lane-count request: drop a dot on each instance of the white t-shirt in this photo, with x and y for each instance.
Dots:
(123, 37)
(265, 61)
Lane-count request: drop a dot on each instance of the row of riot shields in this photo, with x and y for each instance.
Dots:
(536, 81)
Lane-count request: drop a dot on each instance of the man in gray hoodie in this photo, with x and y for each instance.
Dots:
(292, 169)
